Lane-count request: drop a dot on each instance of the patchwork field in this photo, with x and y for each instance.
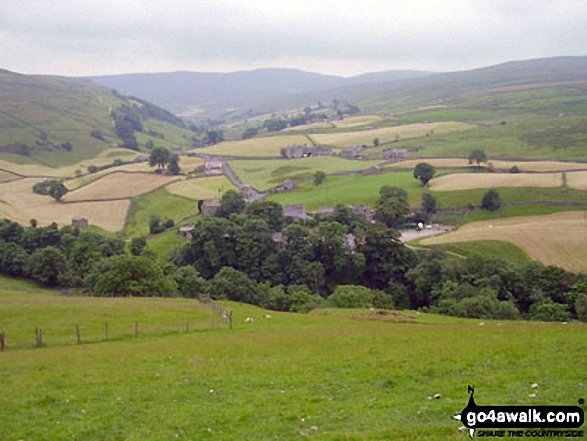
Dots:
(467, 181)
(201, 188)
(20, 204)
(119, 185)
(266, 174)
(256, 147)
(524, 166)
(556, 239)
(332, 374)
(387, 134)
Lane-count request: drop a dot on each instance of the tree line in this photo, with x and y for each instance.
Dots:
(254, 254)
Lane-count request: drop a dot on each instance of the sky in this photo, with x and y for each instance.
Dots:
(342, 37)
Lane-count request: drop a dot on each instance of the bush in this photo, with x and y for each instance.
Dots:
(581, 307)
(351, 296)
(491, 200)
(549, 311)
(302, 300)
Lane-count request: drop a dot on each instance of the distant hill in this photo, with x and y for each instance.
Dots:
(182, 91)
(58, 120)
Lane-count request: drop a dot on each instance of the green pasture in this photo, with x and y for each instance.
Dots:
(504, 140)
(264, 174)
(350, 189)
(164, 243)
(484, 248)
(345, 374)
(157, 203)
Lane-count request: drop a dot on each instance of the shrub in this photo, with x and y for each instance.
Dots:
(351, 296)
(491, 200)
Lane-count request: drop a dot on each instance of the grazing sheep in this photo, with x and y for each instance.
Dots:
(249, 320)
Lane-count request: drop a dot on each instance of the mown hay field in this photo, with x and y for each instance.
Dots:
(256, 147)
(264, 174)
(33, 169)
(387, 134)
(201, 188)
(186, 164)
(331, 374)
(7, 176)
(530, 166)
(467, 181)
(119, 185)
(355, 121)
(556, 239)
(20, 204)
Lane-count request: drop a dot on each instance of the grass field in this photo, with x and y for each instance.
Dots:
(350, 189)
(158, 203)
(485, 248)
(332, 374)
(557, 239)
(201, 188)
(264, 174)
(387, 134)
(257, 147)
(119, 185)
(20, 204)
(7, 176)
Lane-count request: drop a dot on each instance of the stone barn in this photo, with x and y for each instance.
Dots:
(80, 221)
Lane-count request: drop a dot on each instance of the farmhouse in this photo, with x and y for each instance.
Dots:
(352, 152)
(324, 211)
(186, 230)
(303, 151)
(213, 167)
(79, 221)
(364, 210)
(296, 212)
(395, 154)
(209, 208)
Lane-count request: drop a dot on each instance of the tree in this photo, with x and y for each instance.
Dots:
(231, 202)
(173, 167)
(351, 296)
(491, 200)
(319, 177)
(233, 285)
(392, 207)
(269, 211)
(214, 137)
(251, 132)
(424, 172)
(130, 276)
(57, 190)
(190, 283)
(46, 265)
(159, 157)
(478, 156)
(429, 203)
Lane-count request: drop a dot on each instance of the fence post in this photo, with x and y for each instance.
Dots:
(2, 341)
(39, 335)
(106, 330)
(230, 319)
(79, 335)
(136, 329)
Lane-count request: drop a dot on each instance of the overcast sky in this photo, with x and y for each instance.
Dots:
(342, 37)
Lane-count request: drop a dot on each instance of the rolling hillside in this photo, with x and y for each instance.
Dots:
(58, 121)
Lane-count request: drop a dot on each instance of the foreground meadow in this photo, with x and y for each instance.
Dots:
(331, 374)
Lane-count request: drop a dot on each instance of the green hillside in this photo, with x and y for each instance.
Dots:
(60, 121)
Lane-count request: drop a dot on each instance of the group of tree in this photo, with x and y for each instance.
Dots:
(253, 253)
(163, 158)
(52, 188)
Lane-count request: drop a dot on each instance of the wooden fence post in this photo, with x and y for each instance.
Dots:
(2, 341)
(39, 335)
(230, 319)
(106, 330)
(79, 335)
